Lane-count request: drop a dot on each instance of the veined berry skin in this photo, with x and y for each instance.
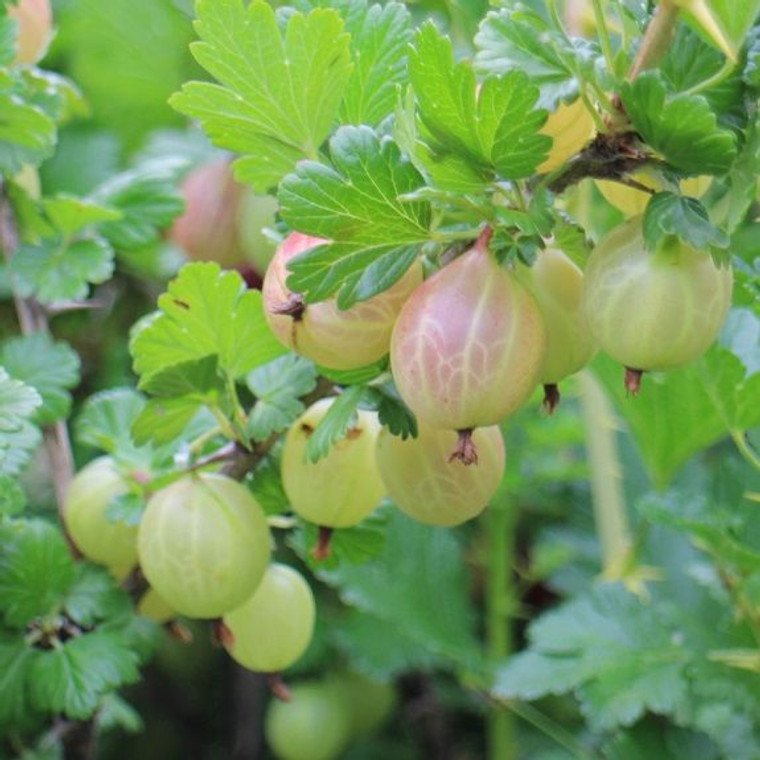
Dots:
(335, 338)
(342, 488)
(557, 285)
(425, 483)
(654, 311)
(272, 628)
(204, 544)
(468, 347)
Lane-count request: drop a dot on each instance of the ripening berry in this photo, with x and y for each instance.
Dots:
(333, 337)
(570, 127)
(273, 627)
(427, 484)
(342, 488)
(204, 544)
(469, 344)
(35, 29)
(653, 311)
(100, 539)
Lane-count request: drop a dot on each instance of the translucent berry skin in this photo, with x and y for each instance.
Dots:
(113, 544)
(632, 201)
(209, 228)
(313, 725)
(571, 127)
(273, 628)
(469, 344)
(344, 487)
(35, 28)
(428, 487)
(557, 285)
(335, 338)
(204, 545)
(653, 311)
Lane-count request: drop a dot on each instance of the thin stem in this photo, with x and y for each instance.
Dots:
(606, 477)
(717, 78)
(604, 35)
(595, 115)
(32, 319)
(745, 449)
(550, 728)
(656, 39)
(500, 605)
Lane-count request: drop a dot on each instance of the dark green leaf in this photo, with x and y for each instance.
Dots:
(681, 127)
(205, 311)
(106, 418)
(52, 369)
(497, 131)
(36, 569)
(57, 269)
(671, 214)
(72, 679)
(15, 660)
(94, 596)
(335, 424)
(357, 205)
(12, 497)
(278, 387)
(27, 134)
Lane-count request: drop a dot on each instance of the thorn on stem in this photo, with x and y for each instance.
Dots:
(323, 550)
(278, 687)
(465, 450)
(551, 397)
(633, 380)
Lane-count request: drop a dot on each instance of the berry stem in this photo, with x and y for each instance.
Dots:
(633, 380)
(552, 397)
(323, 550)
(465, 451)
(278, 687)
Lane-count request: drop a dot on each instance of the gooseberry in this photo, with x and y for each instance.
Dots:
(204, 544)
(653, 310)
(557, 285)
(469, 345)
(100, 539)
(571, 126)
(368, 702)
(273, 627)
(209, 228)
(343, 487)
(426, 484)
(333, 337)
(35, 28)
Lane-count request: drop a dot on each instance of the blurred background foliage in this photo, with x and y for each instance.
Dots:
(415, 614)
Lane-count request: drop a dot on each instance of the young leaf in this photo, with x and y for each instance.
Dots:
(106, 417)
(147, 199)
(681, 127)
(497, 130)
(15, 660)
(17, 403)
(521, 40)
(358, 206)
(12, 497)
(127, 508)
(72, 678)
(163, 420)
(335, 424)
(48, 367)
(671, 214)
(205, 311)
(70, 214)
(36, 569)
(94, 596)
(278, 387)
(278, 97)
(380, 36)
(57, 269)
(27, 135)
(199, 378)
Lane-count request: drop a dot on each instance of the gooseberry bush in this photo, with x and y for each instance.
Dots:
(380, 379)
